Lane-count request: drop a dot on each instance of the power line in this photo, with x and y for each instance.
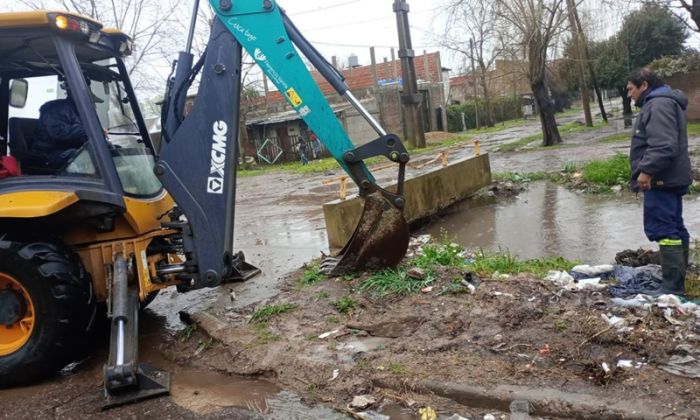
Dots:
(318, 9)
(330, 44)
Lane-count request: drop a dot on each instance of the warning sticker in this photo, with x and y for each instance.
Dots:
(294, 97)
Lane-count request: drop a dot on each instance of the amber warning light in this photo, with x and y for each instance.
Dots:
(71, 24)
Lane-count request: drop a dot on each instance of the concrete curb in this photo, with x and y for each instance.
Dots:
(547, 402)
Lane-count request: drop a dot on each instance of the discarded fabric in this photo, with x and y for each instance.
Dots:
(633, 281)
(560, 278)
(586, 271)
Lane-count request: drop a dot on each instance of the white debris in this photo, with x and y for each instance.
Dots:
(592, 271)
(361, 402)
(328, 334)
(593, 283)
(336, 372)
(613, 320)
(668, 314)
(625, 364)
(605, 367)
(489, 417)
(639, 301)
(560, 278)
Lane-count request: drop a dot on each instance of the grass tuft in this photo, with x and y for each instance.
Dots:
(268, 312)
(610, 172)
(344, 304)
(311, 275)
(503, 261)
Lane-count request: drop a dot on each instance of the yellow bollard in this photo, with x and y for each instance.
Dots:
(343, 187)
(443, 157)
(477, 148)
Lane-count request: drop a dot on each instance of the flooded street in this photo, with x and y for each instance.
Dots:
(549, 220)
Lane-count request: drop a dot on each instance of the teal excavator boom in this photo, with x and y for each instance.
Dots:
(205, 191)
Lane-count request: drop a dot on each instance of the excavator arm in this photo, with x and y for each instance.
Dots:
(198, 156)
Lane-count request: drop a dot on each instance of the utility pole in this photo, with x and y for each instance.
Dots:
(591, 70)
(476, 97)
(578, 55)
(411, 98)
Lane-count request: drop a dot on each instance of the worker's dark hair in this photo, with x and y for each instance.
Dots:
(642, 75)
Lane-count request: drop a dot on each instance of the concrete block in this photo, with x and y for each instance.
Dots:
(426, 194)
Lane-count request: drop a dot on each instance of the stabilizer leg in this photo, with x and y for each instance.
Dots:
(125, 380)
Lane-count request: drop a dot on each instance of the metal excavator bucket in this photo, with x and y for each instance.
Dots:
(380, 239)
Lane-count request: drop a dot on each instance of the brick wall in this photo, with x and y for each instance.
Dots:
(690, 84)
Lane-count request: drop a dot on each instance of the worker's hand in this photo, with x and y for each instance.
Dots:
(644, 181)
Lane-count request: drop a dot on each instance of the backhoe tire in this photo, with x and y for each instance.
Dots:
(57, 305)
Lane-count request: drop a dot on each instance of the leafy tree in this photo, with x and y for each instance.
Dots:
(646, 35)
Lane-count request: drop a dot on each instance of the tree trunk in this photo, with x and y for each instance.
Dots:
(695, 12)
(490, 121)
(626, 107)
(550, 131)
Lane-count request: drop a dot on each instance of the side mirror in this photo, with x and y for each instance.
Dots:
(18, 93)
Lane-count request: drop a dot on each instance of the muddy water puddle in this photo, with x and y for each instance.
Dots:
(549, 220)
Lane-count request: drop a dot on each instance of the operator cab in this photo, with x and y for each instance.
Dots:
(43, 53)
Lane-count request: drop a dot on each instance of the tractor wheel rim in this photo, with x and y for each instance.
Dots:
(14, 336)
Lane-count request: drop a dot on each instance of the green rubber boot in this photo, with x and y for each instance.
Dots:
(673, 265)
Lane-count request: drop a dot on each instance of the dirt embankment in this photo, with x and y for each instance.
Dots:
(330, 343)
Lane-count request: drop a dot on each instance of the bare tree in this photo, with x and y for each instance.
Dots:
(151, 26)
(536, 25)
(472, 22)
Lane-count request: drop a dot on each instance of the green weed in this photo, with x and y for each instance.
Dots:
(561, 325)
(504, 262)
(444, 253)
(311, 275)
(613, 171)
(186, 333)
(397, 369)
(394, 282)
(268, 312)
(262, 334)
(344, 304)
(323, 294)
(694, 129)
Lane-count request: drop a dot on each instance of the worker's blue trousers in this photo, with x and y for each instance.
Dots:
(663, 215)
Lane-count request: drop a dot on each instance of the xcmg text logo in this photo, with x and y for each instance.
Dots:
(217, 170)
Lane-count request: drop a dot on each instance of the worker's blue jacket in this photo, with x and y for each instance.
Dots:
(660, 140)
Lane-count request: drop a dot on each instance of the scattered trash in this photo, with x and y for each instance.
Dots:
(489, 417)
(362, 402)
(668, 314)
(633, 281)
(503, 294)
(328, 334)
(625, 364)
(560, 278)
(637, 258)
(427, 289)
(336, 372)
(427, 413)
(469, 286)
(639, 301)
(613, 320)
(686, 363)
(605, 367)
(371, 415)
(629, 364)
(416, 273)
(593, 283)
(520, 410)
(580, 272)
(545, 349)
